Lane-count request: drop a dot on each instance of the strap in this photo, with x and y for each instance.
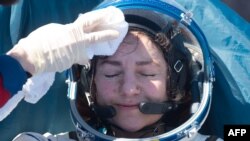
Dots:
(73, 135)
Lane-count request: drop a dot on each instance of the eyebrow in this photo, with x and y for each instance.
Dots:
(111, 62)
(142, 63)
(148, 62)
(117, 63)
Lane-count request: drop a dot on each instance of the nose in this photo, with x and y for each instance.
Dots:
(130, 85)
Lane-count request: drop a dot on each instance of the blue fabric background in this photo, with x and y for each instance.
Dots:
(229, 40)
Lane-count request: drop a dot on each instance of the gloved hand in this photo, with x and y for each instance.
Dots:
(56, 47)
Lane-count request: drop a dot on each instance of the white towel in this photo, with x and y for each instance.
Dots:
(113, 19)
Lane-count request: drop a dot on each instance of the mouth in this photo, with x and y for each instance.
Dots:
(127, 106)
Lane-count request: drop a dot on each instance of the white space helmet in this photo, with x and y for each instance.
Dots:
(189, 58)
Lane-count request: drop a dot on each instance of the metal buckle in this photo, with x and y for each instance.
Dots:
(178, 66)
(186, 18)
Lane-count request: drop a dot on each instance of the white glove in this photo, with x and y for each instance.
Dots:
(56, 47)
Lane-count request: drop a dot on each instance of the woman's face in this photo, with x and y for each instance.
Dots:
(135, 73)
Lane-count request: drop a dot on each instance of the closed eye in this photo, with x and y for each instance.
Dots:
(148, 75)
(112, 75)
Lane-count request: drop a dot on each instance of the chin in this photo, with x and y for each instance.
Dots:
(134, 122)
(129, 125)
(132, 128)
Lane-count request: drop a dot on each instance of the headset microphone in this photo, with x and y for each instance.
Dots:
(104, 111)
(156, 108)
(144, 107)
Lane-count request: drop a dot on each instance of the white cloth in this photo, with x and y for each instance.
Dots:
(33, 90)
(114, 19)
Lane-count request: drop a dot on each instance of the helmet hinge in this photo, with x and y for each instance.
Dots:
(190, 132)
(83, 135)
(186, 18)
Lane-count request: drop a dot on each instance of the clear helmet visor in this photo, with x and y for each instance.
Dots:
(154, 16)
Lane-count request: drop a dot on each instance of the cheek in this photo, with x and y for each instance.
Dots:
(156, 90)
(105, 91)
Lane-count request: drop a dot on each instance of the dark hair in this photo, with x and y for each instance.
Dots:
(171, 43)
